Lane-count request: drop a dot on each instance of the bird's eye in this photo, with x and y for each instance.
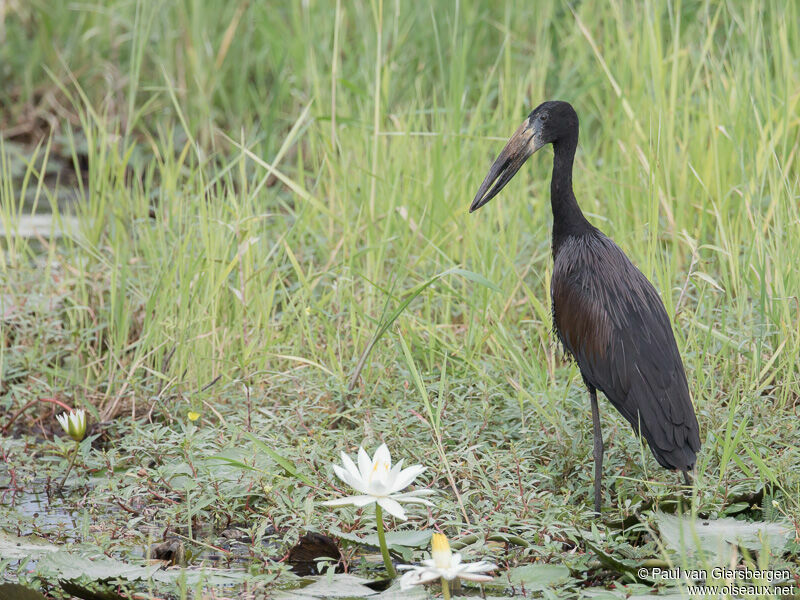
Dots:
(543, 117)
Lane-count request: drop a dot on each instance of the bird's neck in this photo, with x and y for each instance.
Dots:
(567, 216)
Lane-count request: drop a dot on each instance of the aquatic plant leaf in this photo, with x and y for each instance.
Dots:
(283, 462)
(395, 593)
(410, 539)
(12, 547)
(70, 565)
(330, 586)
(209, 576)
(539, 576)
(612, 562)
(718, 537)
(14, 591)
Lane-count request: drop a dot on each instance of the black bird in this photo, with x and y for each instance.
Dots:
(606, 314)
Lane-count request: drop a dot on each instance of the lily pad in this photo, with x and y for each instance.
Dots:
(395, 593)
(330, 586)
(54, 563)
(14, 547)
(70, 565)
(719, 537)
(409, 539)
(400, 542)
(539, 576)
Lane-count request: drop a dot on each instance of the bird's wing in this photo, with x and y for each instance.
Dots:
(611, 319)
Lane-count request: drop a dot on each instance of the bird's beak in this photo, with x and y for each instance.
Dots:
(525, 141)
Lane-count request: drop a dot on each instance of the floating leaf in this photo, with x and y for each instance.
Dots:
(409, 539)
(719, 537)
(539, 576)
(395, 593)
(330, 586)
(70, 565)
(12, 547)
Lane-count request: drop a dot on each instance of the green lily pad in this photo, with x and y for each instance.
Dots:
(408, 539)
(330, 586)
(70, 565)
(717, 538)
(395, 593)
(12, 547)
(539, 576)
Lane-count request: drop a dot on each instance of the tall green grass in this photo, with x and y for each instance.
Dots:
(255, 203)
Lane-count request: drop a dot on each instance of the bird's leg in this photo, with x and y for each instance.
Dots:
(687, 479)
(598, 451)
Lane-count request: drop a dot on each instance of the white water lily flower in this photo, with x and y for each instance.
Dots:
(377, 481)
(74, 424)
(443, 564)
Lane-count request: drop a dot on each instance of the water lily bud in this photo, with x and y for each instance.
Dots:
(440, 552)
(74, 424)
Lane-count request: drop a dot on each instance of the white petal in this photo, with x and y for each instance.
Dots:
(406, 477)
(391, 476)
(363, 500)
(479, 567)
(377, 488)
(475, 577)
(350, 466)
(354, 500)
(396, 469)
(364, 464)
(382, 457)
(429, 562)
(392, 507)
(63, 419)
(410, 498)
(349, 479)
(342, 474)
(448, 574)
(417, 576)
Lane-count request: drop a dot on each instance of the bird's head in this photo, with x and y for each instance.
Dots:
(548, 123)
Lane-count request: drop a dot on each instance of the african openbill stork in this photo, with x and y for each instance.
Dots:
(606, 314)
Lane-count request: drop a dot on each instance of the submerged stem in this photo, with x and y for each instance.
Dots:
(387, 560)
